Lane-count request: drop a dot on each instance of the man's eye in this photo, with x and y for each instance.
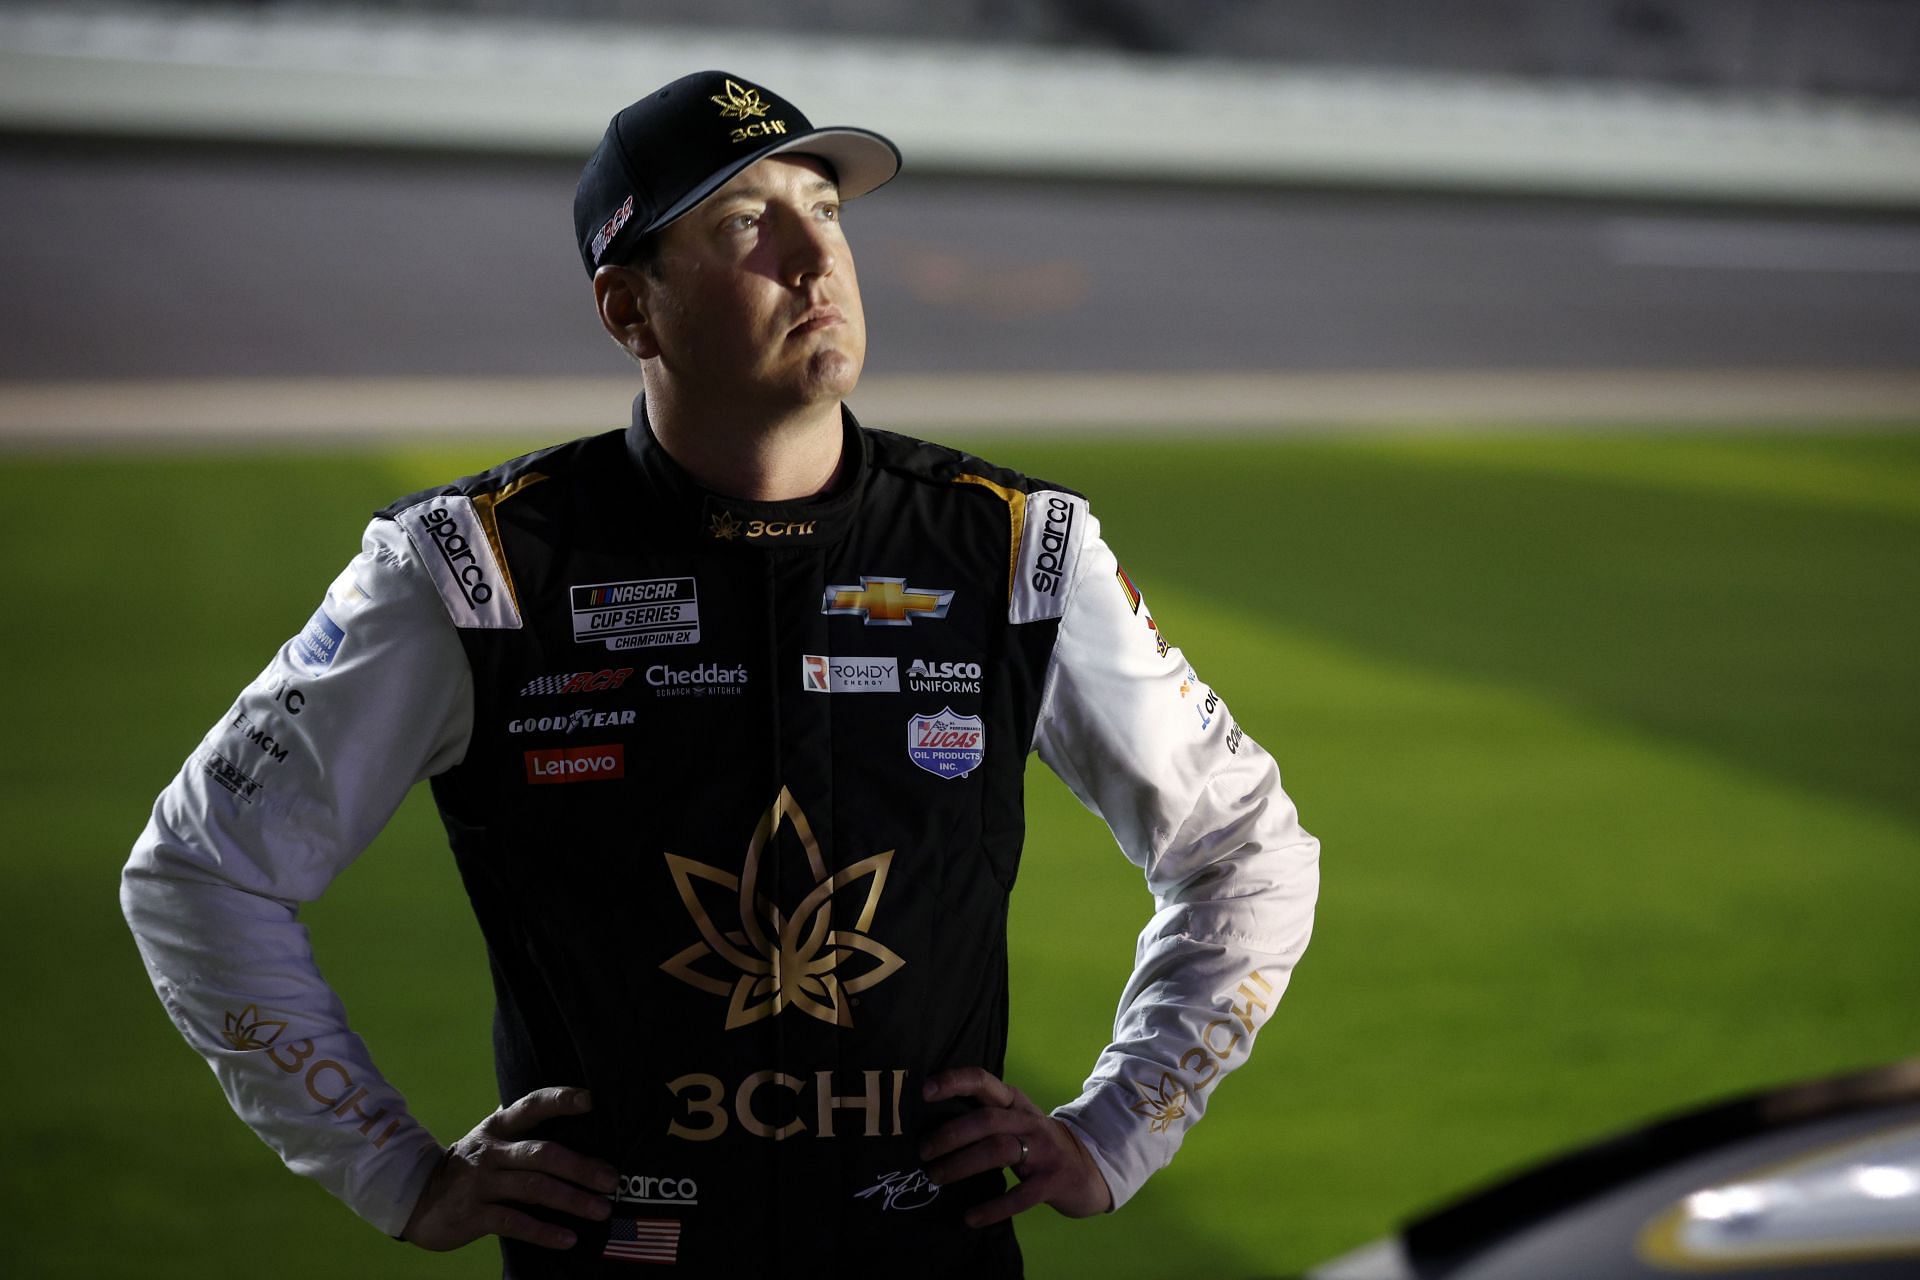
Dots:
(830, 212)
(743, 222)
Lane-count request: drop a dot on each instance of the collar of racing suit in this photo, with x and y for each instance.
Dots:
(717, 519)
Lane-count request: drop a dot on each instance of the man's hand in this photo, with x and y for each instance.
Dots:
(1008, 1130)
(467, 1196)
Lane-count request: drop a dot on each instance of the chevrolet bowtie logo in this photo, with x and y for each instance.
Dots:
(886, 602)
(774, 960)
(740, 103)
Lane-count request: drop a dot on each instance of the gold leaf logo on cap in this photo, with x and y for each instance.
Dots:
(741, 104)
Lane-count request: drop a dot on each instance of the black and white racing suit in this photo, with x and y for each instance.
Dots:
(735, 790)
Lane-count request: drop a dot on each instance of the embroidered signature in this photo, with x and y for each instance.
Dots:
(902, 1190)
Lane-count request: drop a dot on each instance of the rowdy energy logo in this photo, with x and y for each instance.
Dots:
(886, 602)
(822, 673)
(777, 959)
(637, 615)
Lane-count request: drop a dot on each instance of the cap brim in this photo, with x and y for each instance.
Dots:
(862, 160)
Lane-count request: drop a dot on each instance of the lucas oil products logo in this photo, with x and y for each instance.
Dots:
(947, 745)
(822, 673)
(642, 614)
(943, 677)
(577, 764)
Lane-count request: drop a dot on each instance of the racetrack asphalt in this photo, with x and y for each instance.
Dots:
(132, 264)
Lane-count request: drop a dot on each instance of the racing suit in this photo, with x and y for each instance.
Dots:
(735, 789)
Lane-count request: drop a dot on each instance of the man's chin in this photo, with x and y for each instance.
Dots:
(831, 375)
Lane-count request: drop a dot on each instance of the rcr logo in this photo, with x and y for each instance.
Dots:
(637, 1188)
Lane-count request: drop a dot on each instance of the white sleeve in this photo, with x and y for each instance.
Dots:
(1195, 803)
(280, 796)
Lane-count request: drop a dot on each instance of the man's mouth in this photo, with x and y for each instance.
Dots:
(817, 318)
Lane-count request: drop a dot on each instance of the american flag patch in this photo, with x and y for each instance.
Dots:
(655, 1240)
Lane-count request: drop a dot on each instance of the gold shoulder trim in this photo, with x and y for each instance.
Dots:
(484, 506)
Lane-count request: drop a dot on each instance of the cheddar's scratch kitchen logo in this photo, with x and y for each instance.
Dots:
(774, 958)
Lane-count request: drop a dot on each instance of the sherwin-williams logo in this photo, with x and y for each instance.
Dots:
(740, 103)
(247, 1031)
(774, 959)
(1160, 1106)
(886, 602)
(314, 649)
(577, 764)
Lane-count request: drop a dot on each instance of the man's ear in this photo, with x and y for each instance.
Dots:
(620, 294)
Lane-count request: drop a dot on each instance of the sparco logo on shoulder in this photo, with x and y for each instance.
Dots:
(1056, 535)
(458, 553)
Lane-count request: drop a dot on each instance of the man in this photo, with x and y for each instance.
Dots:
(726, 715)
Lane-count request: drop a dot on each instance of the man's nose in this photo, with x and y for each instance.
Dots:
(813, 251)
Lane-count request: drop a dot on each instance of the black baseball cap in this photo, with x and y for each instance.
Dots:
(678, 145)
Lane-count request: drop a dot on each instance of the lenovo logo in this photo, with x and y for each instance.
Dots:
(577, 764)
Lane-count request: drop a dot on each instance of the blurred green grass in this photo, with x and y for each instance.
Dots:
(1611, 741)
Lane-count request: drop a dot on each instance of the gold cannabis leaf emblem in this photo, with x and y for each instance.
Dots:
(726, 525)
(741, 104)
(1163, 1106)
(780, 959)
(244, 1029)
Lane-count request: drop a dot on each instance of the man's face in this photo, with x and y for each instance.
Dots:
(754, 296)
